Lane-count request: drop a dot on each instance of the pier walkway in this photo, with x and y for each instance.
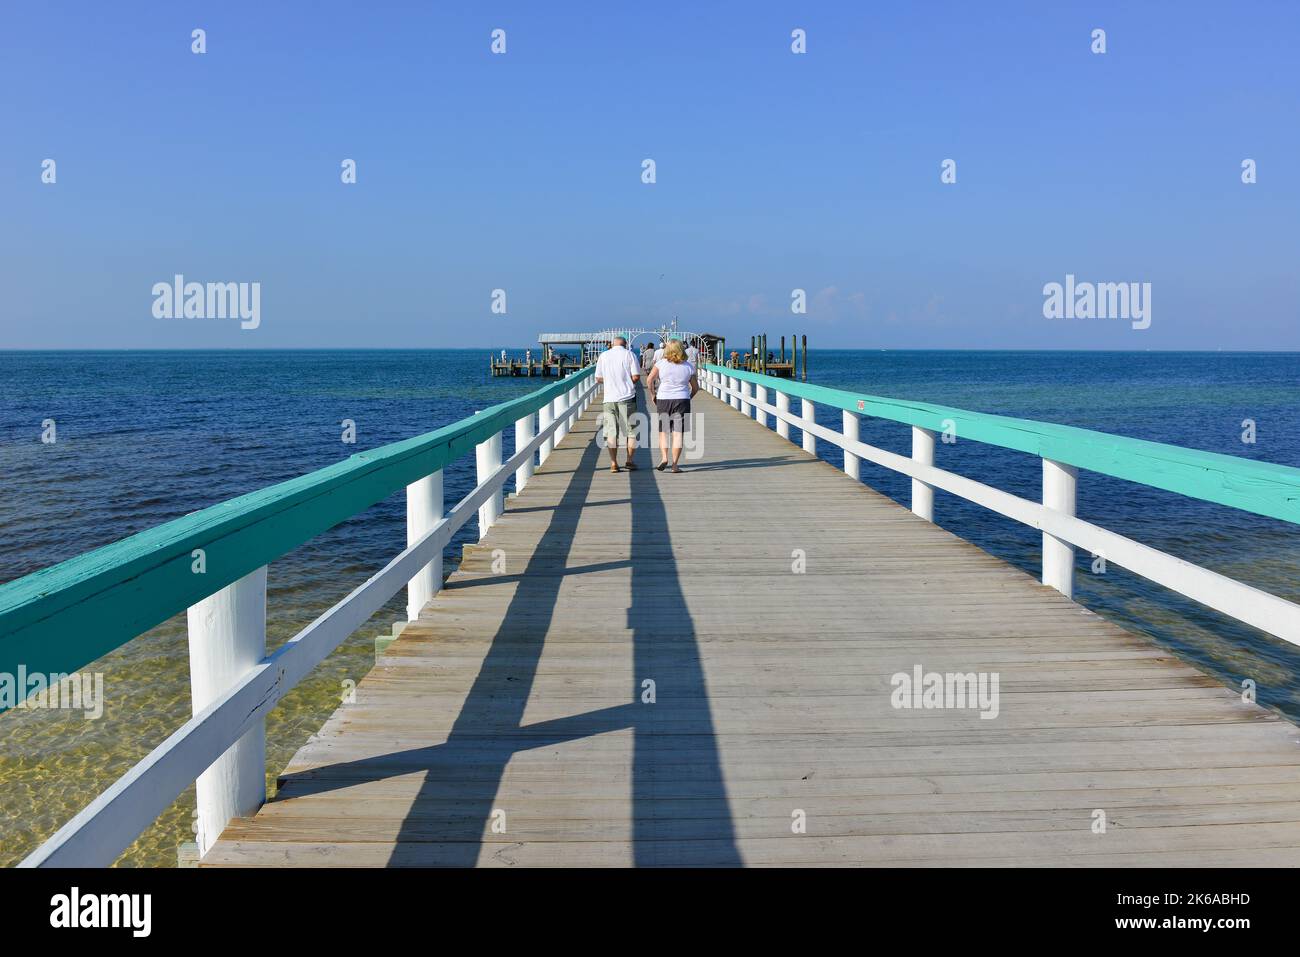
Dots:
(610, 678)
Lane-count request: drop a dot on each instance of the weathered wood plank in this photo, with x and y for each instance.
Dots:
(507, 727)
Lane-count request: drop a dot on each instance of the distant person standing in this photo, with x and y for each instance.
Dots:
(618, 373)
(673, 379)
(647, 357)
(658, 354)
(693, 356)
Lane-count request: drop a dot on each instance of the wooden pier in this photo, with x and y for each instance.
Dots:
(545, 369)
(509, 725)
(613, 677)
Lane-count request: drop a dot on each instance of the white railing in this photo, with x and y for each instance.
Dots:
(235, 684)
(1054, 516)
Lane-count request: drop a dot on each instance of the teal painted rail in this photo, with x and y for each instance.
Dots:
(63, 617)
(1259, 487)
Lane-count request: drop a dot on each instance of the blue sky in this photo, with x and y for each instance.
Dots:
(775, 171)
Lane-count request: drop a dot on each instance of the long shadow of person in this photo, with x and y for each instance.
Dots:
(675, 755)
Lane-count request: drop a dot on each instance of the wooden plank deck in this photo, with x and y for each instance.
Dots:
(506, 727)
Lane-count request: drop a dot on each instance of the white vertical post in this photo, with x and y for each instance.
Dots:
(782, 406)
(544, 418)
(851, 461)
(524, 433)
(760, 393)
(717, 384)
(573, 407)
(227, 636)
(734, 384)
(557, 415)
(809, 414)
(922, 454)
(424, 506)
(1060, 484)
(746, 390)
(487, 456)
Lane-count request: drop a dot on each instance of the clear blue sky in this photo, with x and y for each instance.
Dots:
(775, 171)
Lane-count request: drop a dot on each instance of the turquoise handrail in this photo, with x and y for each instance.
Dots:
(61, 618)
(1259, 487)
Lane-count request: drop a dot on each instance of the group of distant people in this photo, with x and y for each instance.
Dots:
(670, 381)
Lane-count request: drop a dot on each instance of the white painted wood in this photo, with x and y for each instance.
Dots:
(922, 454)
(782, 414)
(227, 638)
(797, 711)
(746, 393)
(424, 505)
(760, 394)
(487, 457)
(851, 423)
(1257, 608)
(1060, 483)
(545, 416)
(733, 387)
(558, 406)
(525, 429)
(97, 835)
(809, 415)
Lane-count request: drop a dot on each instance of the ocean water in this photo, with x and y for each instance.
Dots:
(144, 437)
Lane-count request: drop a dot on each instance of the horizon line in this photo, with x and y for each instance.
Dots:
(496, 349)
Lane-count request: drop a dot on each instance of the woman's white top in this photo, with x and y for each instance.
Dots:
(674, 379)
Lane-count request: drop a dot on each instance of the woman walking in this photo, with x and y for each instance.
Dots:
(674, 385)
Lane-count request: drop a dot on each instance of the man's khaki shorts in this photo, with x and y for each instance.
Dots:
(617, 416)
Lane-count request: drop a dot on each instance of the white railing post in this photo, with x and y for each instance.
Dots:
(574, 411)
(557, 415)
(760, 394)
(809, 414)
(424, 508)
(851, 435)
(717, 385)
(734, 384)
(524, 433)
(1060, 484)
(544, 418)
(227, 636)
(487, 456)
(782, 410)
(922, 454)
(746, 391)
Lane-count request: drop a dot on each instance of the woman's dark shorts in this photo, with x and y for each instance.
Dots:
(674, 414)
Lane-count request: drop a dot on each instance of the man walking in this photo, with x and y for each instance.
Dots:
(617, 371)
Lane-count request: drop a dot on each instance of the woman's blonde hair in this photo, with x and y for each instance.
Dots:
(674, 352)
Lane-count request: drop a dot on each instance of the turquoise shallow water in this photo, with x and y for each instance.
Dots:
(146, 437)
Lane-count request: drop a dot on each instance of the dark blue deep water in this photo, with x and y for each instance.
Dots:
(144, 437)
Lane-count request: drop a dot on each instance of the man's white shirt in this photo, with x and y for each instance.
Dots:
(616, 368)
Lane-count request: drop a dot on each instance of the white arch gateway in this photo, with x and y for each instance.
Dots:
(592, 342)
